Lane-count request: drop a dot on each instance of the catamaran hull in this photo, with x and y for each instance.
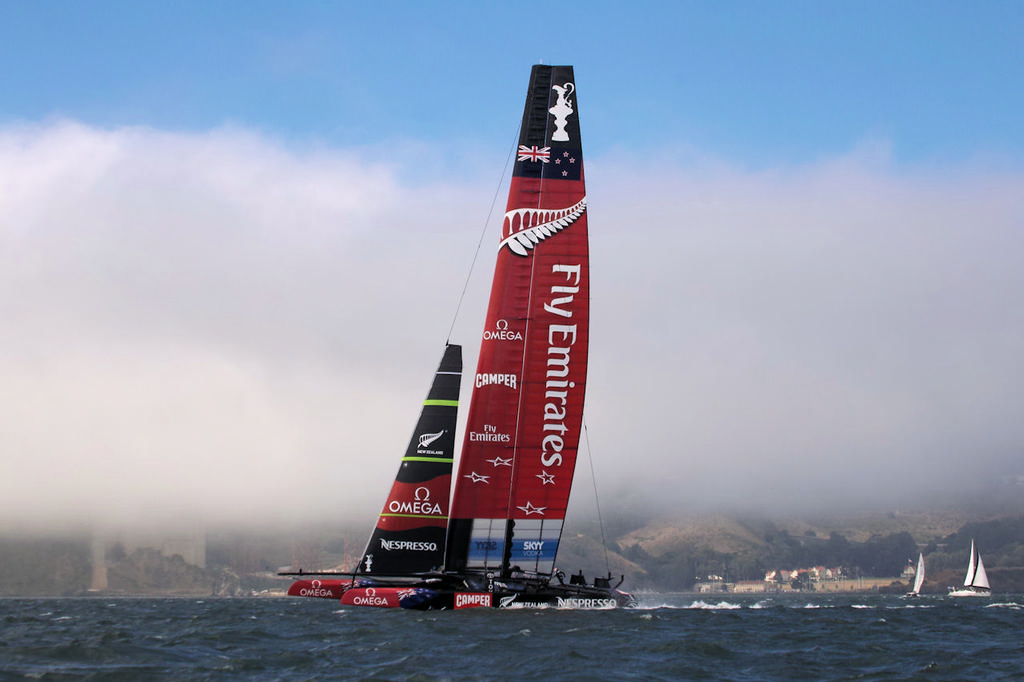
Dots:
(434, 598)
(391, 597)
(610, 600)
(323, 589)
(970, 593)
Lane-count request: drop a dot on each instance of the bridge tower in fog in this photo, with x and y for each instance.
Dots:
(98, 550)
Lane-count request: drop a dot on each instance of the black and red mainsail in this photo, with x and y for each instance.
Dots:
(523, 425)
(410, 533)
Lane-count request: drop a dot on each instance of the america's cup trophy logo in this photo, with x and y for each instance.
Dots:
(562, 110)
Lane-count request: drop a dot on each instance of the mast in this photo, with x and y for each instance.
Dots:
(410, 532)
(525, 415)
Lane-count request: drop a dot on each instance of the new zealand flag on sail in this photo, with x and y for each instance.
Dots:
(549, 141)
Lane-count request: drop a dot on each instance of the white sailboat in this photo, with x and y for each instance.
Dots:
(976, 580)
(918, 577)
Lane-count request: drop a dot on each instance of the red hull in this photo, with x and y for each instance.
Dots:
(380, 597)
(323, 589)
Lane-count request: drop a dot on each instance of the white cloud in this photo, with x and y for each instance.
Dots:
(232, 326)
(833, 333)
(211, 322)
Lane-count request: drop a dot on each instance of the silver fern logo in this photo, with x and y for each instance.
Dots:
(524, 228)
(427, 438)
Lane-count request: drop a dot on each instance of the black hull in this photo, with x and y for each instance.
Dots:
(455, 591)
(564, 597)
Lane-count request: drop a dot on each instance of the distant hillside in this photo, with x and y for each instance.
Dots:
(44, 566)
(658, 554)
(673, 554)
(720, 533)
(924, 526)
(147, 571)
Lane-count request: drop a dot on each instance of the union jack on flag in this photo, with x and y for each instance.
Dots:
(534, 154)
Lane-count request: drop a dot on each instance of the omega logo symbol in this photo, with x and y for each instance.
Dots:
(420, 504)
(370, 592)
(316, 583)
(501, 332)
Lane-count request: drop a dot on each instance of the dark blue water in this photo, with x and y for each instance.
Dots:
(669, 638)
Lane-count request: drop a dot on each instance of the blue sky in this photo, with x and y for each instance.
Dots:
(756, 83)
(232, 236)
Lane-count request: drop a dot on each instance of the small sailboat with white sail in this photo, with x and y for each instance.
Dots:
(918, 577)
(976, 580)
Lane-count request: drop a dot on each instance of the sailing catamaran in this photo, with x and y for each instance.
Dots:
(496, 544)
(976, 580)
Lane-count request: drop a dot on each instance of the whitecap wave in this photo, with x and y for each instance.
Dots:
(722, 605)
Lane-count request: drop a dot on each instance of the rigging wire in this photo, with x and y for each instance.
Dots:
(483, 231)
(597, 500)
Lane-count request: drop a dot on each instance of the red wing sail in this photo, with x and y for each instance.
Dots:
(410, 532)
(525, 415)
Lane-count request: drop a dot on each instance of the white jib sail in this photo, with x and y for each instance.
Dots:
(980, 576)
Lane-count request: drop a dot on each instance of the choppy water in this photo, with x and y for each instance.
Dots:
(668, 638)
